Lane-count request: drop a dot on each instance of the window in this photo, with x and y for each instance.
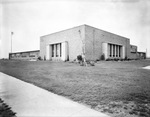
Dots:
(32, 56)
(110, 45)
(60, 49)
(113, 50)
(116, 50)
(56, 50)
(119, 51)
(52, 50)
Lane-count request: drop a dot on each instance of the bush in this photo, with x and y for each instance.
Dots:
(97, 60)
(39, 58)
(102, 57)
(108, 59)
(79, 57)
(116, 59)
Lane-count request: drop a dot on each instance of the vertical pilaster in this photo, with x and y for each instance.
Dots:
(64, 51)
(115, 51)
(118, 50)
(59, 50)
(47, 52)
(112, 50)
(50, 52)
(105, 50)
(54, 50)
(123, 52)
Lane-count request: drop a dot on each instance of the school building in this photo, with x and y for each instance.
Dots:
(92, 42)
(86, 40)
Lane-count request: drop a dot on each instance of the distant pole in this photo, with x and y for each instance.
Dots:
(11, 40)
(146, 53)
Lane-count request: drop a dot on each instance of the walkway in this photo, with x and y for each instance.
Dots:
(29, 100)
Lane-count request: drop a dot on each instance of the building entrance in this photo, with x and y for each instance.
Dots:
(57, 51)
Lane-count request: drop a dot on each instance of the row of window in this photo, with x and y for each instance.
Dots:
(114, 50)
(133, 49)
(56, 50)
(18, 56)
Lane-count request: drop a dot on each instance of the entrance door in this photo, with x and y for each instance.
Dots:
(56, 51)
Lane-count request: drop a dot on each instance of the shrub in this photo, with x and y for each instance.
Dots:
(79, 57)
(108, 59)
(102, 57)
(39, 58)
(97, 60)
(116, 59)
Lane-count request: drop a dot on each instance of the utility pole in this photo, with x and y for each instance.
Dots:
(146, 54)
(11, 40)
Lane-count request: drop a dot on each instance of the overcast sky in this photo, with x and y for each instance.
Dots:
(30, 19)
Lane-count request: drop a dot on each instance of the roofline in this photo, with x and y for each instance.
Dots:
(25, 52)
(83, 25)
(133, 45)
(63, 30)
(141, 52)
(107, 32)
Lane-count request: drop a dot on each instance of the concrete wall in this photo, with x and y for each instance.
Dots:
(95, 37)
(73, 36)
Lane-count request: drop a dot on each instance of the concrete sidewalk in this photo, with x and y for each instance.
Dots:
(29, 100)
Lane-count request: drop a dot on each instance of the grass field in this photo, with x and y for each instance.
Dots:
(119, 89)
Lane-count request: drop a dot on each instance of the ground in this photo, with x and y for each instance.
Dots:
(119, 89)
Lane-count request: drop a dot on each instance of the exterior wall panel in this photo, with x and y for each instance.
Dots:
(95, 37)
(73, 36)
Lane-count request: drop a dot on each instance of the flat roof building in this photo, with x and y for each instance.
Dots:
(84, 40)
(92, 43)
(26, 55)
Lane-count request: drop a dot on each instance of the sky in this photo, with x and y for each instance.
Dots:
(30, 19)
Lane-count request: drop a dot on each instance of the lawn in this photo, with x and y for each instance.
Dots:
(119, 89)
